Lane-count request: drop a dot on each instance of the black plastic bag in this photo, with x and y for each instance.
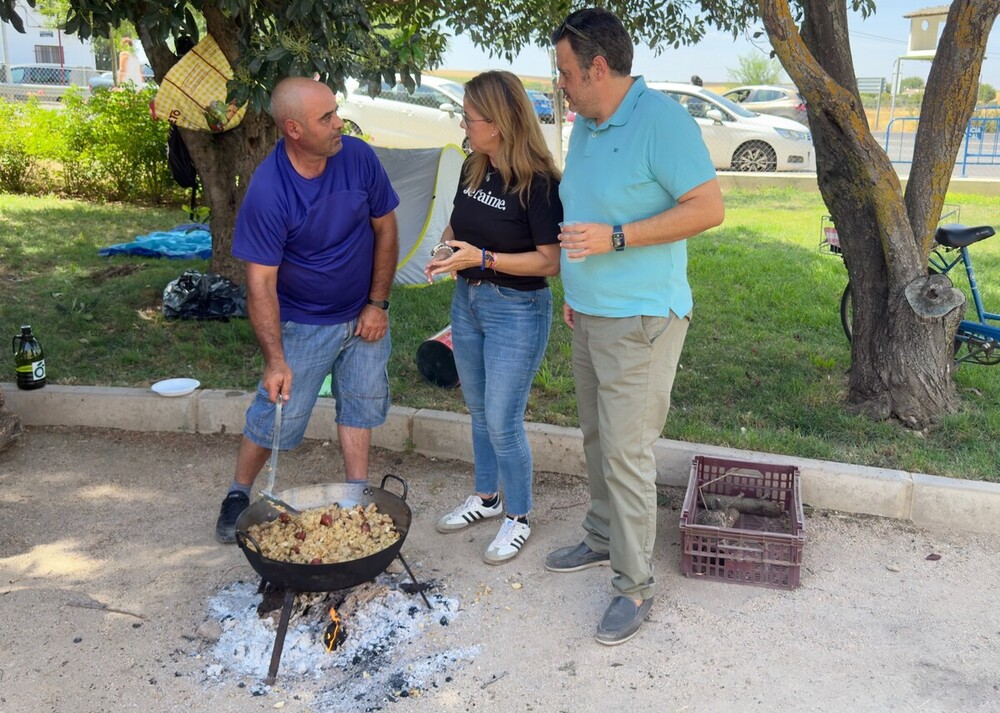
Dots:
(209, 296)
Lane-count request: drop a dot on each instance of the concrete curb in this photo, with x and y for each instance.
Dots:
(926, 500)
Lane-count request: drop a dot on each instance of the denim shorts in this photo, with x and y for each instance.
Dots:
(360, 381)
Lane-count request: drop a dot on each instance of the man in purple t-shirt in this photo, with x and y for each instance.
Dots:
(318, 232)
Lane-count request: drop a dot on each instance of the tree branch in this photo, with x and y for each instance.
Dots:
(949, 100)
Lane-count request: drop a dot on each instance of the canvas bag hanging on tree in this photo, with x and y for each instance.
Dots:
(193, 93)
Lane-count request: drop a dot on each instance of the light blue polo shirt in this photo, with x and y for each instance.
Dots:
(633, 166)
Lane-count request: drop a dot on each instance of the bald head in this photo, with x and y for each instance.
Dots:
(291, 96)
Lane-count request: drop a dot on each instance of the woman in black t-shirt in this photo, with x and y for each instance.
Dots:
(502, 241)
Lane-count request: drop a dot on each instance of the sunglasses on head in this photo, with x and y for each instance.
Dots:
(565, 26)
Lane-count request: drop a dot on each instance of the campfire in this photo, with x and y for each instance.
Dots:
(291, 579)
(390, 645)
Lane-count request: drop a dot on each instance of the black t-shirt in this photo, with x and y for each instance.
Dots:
(490, 218)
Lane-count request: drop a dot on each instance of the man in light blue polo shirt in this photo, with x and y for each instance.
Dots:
(638, 182)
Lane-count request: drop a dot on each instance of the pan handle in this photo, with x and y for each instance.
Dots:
(406, 488)
(242, 537)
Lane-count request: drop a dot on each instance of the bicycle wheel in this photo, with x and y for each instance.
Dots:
(847, 311)
(979, 348)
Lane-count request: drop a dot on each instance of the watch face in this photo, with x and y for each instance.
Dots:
(618, 241)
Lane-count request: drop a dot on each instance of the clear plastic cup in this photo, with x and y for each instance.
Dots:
(567, 227)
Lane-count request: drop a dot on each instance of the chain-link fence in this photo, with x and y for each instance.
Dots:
(48, 83)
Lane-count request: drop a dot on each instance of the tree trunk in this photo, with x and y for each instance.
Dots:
(949, 100)
(225, 161)
(901, 353)
(225, 164)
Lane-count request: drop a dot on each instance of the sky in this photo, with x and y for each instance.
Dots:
(875, 45)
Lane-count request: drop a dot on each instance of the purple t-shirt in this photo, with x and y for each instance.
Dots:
(317, 231)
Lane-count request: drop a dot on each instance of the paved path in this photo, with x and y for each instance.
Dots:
(107, 564)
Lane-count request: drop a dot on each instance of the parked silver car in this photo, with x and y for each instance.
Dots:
(106, 80)
(45, 82)
(430, 116)
(772, 100)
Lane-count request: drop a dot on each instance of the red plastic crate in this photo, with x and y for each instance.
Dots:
(761, 551)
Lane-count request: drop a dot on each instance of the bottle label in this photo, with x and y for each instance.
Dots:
(35, 369)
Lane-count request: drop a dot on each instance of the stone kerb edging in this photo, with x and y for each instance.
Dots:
(926, 500)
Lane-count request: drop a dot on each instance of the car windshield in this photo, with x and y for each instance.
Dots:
(455, 89)
(728, 104)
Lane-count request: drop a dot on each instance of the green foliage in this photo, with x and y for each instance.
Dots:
(908, 83)
(198, 214)
(118, 131)
(756, 68)
(987, 94)
(374, 39)
(106, 148)
(16, 163)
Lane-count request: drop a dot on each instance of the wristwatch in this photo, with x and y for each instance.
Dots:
(381, 304)
(617, 238)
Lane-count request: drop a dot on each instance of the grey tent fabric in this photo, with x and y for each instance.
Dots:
(426, 181)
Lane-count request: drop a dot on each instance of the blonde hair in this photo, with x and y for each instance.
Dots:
(501, 99)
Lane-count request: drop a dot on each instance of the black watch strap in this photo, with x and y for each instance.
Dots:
(381, 304)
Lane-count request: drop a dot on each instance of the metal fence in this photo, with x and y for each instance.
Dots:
(979, 155)
(48, 83)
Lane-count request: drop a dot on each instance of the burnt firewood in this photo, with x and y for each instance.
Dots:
(718, 518)
(749, 506)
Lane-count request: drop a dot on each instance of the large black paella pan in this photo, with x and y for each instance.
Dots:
(325, 577)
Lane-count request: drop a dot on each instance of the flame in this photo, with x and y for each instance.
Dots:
(334, 634)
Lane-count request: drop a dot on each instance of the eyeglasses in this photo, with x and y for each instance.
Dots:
(467, 120)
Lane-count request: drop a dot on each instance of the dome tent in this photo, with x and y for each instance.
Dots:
(426, 181)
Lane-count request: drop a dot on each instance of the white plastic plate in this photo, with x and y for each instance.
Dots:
(175, 387)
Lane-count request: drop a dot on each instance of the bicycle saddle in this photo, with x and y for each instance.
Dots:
(955, 235)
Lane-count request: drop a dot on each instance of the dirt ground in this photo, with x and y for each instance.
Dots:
(108, 564)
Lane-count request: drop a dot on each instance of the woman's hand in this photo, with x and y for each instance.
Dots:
(464, 255)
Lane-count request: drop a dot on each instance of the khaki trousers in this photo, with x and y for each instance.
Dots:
(624, 370)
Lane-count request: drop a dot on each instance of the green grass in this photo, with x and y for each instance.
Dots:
(763, 367)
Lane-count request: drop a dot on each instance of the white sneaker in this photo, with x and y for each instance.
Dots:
(508, 542)
(471, 511)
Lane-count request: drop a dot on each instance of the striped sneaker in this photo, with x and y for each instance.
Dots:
(471, 511)
(508, 542)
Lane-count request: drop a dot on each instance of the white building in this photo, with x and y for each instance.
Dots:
(42, 44)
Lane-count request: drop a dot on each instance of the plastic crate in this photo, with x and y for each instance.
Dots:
(761, 551)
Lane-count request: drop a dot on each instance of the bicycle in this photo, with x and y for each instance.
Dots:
(980, 338)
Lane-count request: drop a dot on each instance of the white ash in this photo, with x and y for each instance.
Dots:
(394, 646)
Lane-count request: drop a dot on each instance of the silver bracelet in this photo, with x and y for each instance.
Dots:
(442, 246)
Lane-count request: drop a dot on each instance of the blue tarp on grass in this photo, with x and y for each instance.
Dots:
(183, 242)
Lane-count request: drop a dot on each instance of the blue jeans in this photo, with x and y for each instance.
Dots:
(360, 381)
(499, 337)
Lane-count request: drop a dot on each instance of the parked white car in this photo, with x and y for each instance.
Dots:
(429, 117)
(737, 139)
(740, 140)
